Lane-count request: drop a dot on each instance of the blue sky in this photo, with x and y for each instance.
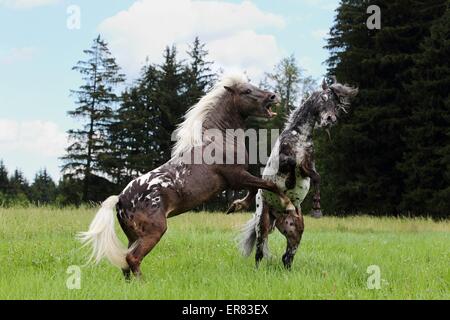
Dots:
(37, 52)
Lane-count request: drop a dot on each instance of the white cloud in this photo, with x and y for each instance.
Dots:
(232, 33)
(43, 138)
(26, 4)
(323, 4)
(16, 55)
(320, 34)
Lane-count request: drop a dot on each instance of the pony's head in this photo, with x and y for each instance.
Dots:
(233, 92)
(252, 101)
(331, 101)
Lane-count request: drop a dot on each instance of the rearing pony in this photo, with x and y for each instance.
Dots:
(182, 184)
(292, 167)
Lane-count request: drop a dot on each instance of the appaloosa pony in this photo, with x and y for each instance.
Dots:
(188, 179)
(291, 167)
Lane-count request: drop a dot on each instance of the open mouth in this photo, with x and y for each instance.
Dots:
(269, 111)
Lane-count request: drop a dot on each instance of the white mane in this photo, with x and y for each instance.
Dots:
(189, 132)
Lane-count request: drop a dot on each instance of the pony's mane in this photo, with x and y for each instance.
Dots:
(189, 132)
(290, 119)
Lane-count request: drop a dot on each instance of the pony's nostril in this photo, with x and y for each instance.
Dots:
(273, 97)
(329, 119)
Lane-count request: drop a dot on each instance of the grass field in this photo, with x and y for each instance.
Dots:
(197, 259)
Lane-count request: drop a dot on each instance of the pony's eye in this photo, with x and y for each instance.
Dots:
(248, 91)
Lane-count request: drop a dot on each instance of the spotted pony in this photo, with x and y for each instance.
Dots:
(182, 184)
(291, 166)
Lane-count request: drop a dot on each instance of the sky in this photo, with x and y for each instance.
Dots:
(41, 40)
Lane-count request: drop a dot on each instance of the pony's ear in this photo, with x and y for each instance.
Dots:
(230, 89)
(344, 90)
(324, 85)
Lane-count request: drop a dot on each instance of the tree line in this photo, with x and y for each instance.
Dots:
(126, 131)
(125, 135)
(16, 190)
(389, 155)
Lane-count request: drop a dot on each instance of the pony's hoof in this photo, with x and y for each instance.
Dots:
(235, 207)
(231, 209)
(287, 261)
(317, 214)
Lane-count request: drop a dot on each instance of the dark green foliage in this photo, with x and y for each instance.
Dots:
(14, 190)
(426, 162)
(171, 100)
(362, 168)
(139, 138)
(135, 135)
(18, 185)
(43, 190)
(4, 181)
(95, 100)
(389, 155)
(70, 192)
(292, 85)
(199, 77)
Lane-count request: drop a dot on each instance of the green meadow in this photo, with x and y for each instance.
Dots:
(339, 258)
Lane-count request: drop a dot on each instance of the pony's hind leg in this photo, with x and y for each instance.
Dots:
(132, 237)
(291, 226)
(263, 229)
(150, 227)
(127, 272)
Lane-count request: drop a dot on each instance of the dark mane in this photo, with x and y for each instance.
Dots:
(301, 115)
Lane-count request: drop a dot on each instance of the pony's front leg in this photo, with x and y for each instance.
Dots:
(309, 168)
(287, 166)
(243, 204)
(317, 211)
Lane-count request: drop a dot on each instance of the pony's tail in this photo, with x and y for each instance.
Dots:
(247, 237)
(102, 236)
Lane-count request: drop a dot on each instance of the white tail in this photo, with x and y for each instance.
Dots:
(102, 236)
(247, 238)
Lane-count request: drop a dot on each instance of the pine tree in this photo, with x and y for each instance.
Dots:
(291, 83)
(426, 162)
(135, 133)
(43, 189)
(155, 131)
(140, 135)
(171, 99)
(199, 76)
(4, 179)
(360, 168)
(69, 192)
(95, 100)
(4, 185)
(19, 187)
